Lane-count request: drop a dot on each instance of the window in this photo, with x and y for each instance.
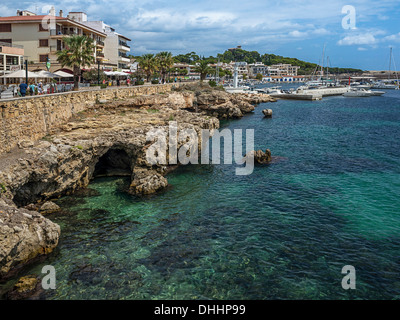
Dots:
(5, 27)
(43, 42)
(6, 41)
(43, 57)
(41, 28)
(12, 60)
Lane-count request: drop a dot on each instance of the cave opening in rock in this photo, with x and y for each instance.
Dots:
(32, 192)
(115, 162)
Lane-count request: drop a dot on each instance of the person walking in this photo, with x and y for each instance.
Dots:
(32, 89)
(22, 88)
(40, 88)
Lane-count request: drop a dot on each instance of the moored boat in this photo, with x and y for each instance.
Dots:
(358, 93)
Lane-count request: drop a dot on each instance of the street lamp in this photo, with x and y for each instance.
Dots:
(98, 72)
(26, 71)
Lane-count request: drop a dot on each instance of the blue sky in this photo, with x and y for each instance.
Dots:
(289, 28)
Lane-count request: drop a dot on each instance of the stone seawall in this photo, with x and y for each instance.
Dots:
(31, 118)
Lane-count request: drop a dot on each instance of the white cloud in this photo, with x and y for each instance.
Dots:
(358, 39)
(298, 34)
(393, 37)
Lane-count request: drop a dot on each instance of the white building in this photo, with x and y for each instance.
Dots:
(281, 69)
(257, 68)
(116, 48)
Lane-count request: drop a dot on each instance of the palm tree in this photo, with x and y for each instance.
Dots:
(165, 62)
(148, 64)
(78, 54)
(203, 68)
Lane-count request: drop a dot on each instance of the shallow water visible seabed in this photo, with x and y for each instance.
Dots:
(284, 232)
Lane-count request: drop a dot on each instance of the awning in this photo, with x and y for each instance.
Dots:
(63, 74)
(21, 74)
(47, 74)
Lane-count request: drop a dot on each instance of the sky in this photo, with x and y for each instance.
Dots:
(355, 33)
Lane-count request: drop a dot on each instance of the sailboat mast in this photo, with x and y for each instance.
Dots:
(322, 63)
(327, 67)
(390, 61)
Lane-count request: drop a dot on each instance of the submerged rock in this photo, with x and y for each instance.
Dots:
(28, 287)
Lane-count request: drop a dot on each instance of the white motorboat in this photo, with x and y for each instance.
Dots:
(382, 85)
(358, 93)
(270, 90)
(377, 93)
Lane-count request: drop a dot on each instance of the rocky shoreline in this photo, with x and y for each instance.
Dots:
(108, 138)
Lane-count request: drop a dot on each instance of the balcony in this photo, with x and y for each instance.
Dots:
(122, 56)
(100, 54)
(11, 68)
(99, 43)
(122, 45)
(58, 34)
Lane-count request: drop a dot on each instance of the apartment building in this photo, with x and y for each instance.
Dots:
(116, 47)
(283, 69)
(243, 68)
(257, 68)
(41, 36)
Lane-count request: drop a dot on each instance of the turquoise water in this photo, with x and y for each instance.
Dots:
(284, 232)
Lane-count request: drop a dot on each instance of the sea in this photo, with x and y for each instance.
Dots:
(329, 200)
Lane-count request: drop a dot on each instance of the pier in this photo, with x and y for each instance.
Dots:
(312, 94)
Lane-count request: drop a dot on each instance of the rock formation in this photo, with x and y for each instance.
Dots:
(260, 156)
(267, 113)
(106, 139)
(24, 236)
(27, 287)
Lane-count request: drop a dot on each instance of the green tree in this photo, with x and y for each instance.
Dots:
(203, 68)
(148, 64)
(92, 75)
(259, 76)
(78, 54)
(164, 62)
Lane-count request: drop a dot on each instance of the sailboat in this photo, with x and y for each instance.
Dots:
(386, 84)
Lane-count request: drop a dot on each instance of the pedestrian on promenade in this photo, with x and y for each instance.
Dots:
(40, 88)
(128, 82)
(32, 89)
(22, 88)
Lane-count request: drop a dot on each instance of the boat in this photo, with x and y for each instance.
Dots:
(358, 93)
(377, 93)
(388, 84)
(270, 90)
(383, 85)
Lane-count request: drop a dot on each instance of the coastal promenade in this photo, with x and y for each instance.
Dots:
(24, 120)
